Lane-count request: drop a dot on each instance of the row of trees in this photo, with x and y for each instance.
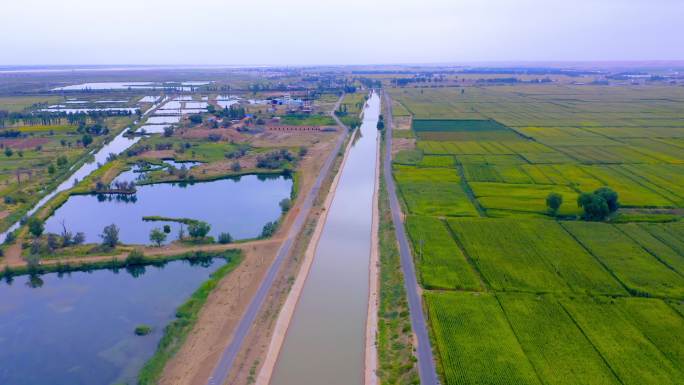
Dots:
(596, 206)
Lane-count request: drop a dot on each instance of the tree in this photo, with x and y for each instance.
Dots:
(269, 229)
(225, 238)
(8, 152)
(553, 202)
(610, 196)
(198, 229)
(86, 140)
(51, 169)
(157, 236)
(167, 229)
(52, 242)
(285, 204)
(35, 227)
(595, 206)
(110, 236)
(196, 119)
(62, 161)
(78, 238)
(235, 166)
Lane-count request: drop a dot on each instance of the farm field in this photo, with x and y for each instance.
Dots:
(557, 299)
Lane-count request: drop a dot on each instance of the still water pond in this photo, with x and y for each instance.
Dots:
(78, 328)
(240, 206)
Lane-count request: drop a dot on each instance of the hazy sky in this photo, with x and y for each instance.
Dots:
(340, 32)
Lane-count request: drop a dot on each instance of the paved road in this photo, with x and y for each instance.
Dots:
(222, 369)
(426, 365)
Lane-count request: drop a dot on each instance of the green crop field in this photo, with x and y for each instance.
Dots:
(560, 354)
(624, 343)
(531, 255)
(475, 342)
(441, 264)
(433, 191)
(636, 268)
(518, 294)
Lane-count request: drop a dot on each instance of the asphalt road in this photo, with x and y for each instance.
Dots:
(222, 369)
(426, 365)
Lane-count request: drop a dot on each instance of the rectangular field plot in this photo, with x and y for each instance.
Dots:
(626, 347)
(463, 130)
(491, 159)
(457, 125)
(608, 154)
(437, 161)
(531, 255)
(440, 262)
(638, 270)
(475, 342)
(530, 198)
(433, 191)
(558, 350)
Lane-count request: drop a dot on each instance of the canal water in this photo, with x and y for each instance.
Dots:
(78, 328)
(325, 340)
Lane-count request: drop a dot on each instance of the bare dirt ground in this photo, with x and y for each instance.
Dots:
(402, 123)
(159, 154)
(399, 144)
(24, 143)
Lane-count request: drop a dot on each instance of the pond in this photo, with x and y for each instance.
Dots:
(189, 85)
(79, 328)
(153, 128)
(240, 206)
(163, 119)
(86, 110)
